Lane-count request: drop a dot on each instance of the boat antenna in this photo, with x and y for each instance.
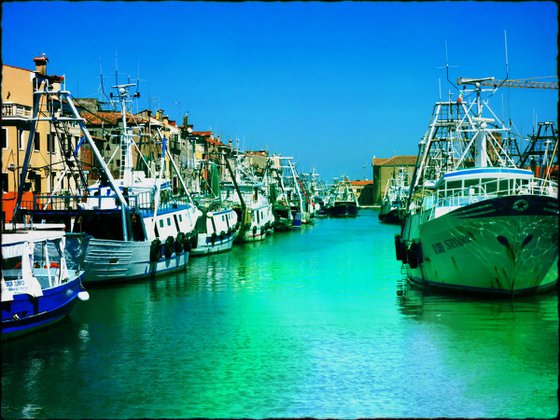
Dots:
(137, 93)
(507, 66)
(101, 85)
(447, 69)
(116, 69)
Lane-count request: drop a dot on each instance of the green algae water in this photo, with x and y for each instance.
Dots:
(312, 323)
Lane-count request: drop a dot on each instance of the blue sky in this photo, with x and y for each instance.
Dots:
(332, 84)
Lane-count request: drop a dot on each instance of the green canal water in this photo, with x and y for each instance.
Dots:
(304, 324)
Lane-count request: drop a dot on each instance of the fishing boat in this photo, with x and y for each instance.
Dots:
(475, 221)
(247, 195)
(136, 226)
(217, 227)
(342, 200)
(39, 287)
(281, 209)
(292, 206)
(393, 203)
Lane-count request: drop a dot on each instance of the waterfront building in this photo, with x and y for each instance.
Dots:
(51, 145)
(385, 168)
(364, 191)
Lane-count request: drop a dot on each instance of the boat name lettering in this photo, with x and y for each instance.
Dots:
(452, 243)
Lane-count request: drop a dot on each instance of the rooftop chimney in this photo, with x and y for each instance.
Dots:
(159, 114)
(41, 64)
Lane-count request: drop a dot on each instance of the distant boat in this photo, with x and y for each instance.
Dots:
(136, 226)
(38, 286)
(393, 203)
(291, 207)
(342, 201)
(247, 195)
(475, 221)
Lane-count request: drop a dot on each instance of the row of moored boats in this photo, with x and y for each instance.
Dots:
(143, 223)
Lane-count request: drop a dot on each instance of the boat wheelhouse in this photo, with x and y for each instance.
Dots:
(40, 281)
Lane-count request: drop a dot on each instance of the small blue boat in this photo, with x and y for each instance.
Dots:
(39, 288)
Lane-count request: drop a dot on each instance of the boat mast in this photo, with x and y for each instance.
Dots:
(43, 88)
(126, 137)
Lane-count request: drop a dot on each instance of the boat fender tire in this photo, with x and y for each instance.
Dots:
(194, 239)
(155, 250)
(398, 248)
(414, 254)
(168, 247)
(179, 243)
(186, 244)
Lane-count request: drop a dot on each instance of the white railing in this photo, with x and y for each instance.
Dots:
(491, 189)
(16, 110)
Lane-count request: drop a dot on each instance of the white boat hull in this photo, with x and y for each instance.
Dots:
(116, 261)
(208, 245)
(507, 245)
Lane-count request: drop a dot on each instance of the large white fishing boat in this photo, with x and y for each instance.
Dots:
(475, 221)
(136, 226)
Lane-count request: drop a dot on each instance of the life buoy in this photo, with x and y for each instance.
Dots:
(155, 250)
(168, 247)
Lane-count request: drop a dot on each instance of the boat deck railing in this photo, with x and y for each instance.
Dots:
(139, 203)
(494, 188)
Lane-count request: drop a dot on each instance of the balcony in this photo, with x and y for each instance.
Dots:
(10, 110)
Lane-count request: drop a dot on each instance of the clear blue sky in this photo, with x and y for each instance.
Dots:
(332, 84)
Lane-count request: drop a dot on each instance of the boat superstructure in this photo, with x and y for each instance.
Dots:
(136, 225)
(342, 200)
(475, 221)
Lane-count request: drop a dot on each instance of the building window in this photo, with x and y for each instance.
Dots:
(5, 182)
(4, 138)
(53, 178)
(51, 148)
(37, 142)
(37, 183)
(22, 140)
